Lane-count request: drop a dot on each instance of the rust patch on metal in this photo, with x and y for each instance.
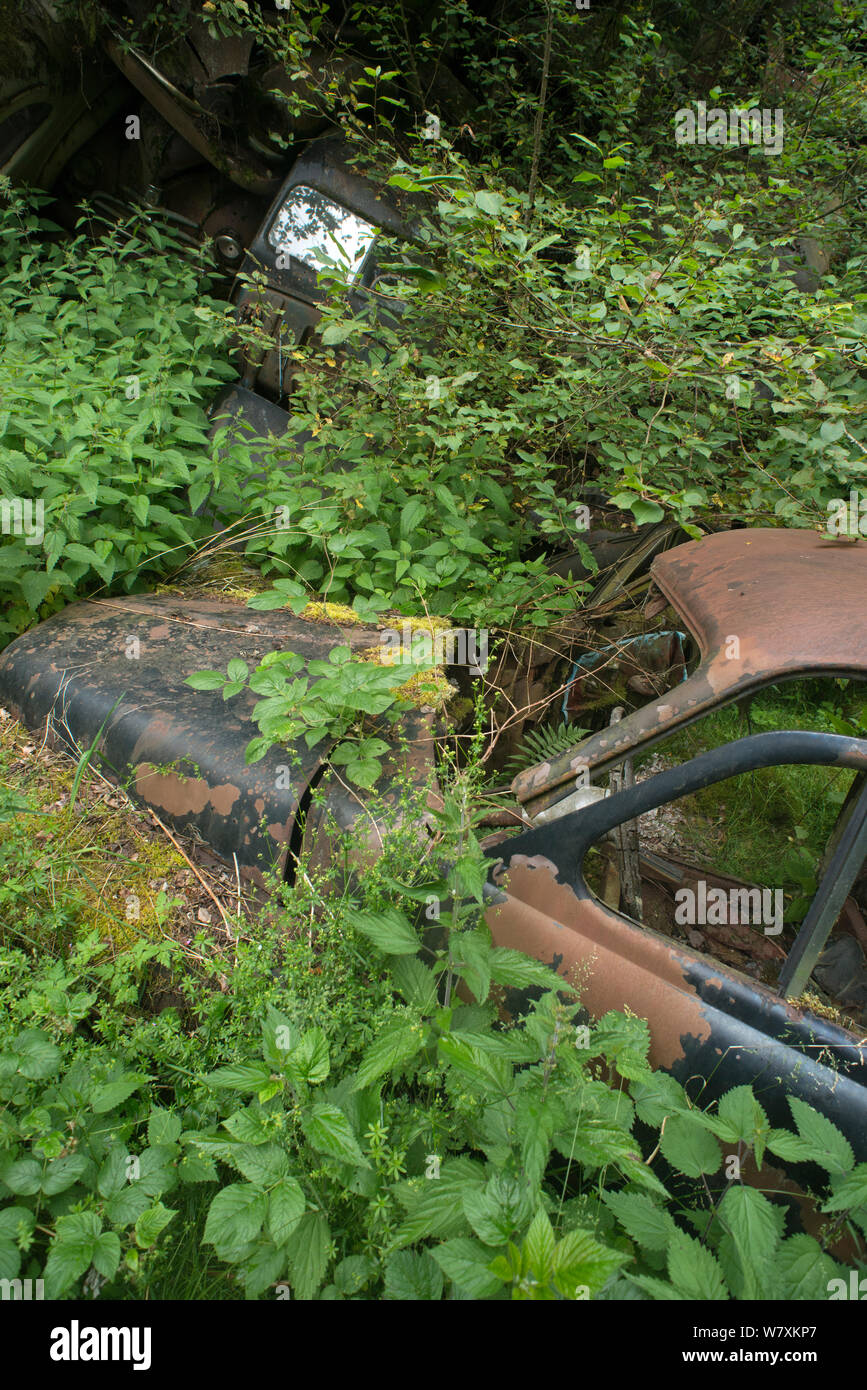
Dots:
(182, 796)
(613, 963)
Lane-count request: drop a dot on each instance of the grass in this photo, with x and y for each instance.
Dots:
(770, 826)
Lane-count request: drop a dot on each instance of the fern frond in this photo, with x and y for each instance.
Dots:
(538, 745)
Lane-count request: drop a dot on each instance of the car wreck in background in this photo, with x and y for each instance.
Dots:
(760, 606)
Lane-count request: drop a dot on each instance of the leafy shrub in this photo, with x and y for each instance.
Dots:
(111, 351)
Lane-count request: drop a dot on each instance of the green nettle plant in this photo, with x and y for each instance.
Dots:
(111, 352)
(346, 1112)
(330, 701)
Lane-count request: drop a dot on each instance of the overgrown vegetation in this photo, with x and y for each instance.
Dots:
(341, 1113)
(361, 1097)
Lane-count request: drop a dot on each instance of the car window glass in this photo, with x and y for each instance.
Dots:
(319, 232)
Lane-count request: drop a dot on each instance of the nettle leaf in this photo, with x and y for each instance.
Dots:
(644, 1222)
(72, 1251)
(742, 1119)
(63, 1172)
(582, 1266)
(286, 1205)
(390, 930)
(481, 1070)
(688, 1147)
(163, 1127)
(435, 1205)
(38, 1055)
(244, 1076)
(395, 1047)
(656, 1095)
(830, 1149)
(753, 1224)
(309, 1060)
(415, 982)
(109, 1096)
(514, 969)
(851, 1193)
(538, 1248)
(803, 1269)
(262, 1164)
(329, 1132)
(235, 1216)
(354, 1273)
(308, 1251)
(693, 1270)
(465, 1262)
(151, 1222)
(502, 1209)
(413, 1276)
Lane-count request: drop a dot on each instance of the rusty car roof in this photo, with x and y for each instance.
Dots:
(763, 605)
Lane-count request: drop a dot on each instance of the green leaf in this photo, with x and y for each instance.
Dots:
(465, 1262)
(113, 1093)
(397, 1045)
(151, 1222)
(39, 1057)
(688, 1146)
(415, 982)
(329, 1132)
(309, 1061)
(538, 1249)
(71, 1252)
(645, 511)
(261, 1164)
(63, 1172)
(803, 1269)
(693, 1269)
(245, 1076)
(657, 1095)
(436, 1205)
(851, 1193)
(126, 1206)
(502, 1209)
(265, 1265)
(644, 1222)
(193, 1168)
(354, 1274)
(10, 1259)
(163, 1127)
(743, 1120)
(752, 1223)
(581, 1263)
(23, 1176)
(389, 930)
(483, 1071)
(16, 1222)
(517, 971)
(829, 1147)
(286, 1203)
(206, 680)
(489, 202)
(413, 1276)
(308, 1250)
(235, 1216)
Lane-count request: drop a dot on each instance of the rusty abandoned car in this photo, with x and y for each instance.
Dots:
(751, 608)
(761, 606)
